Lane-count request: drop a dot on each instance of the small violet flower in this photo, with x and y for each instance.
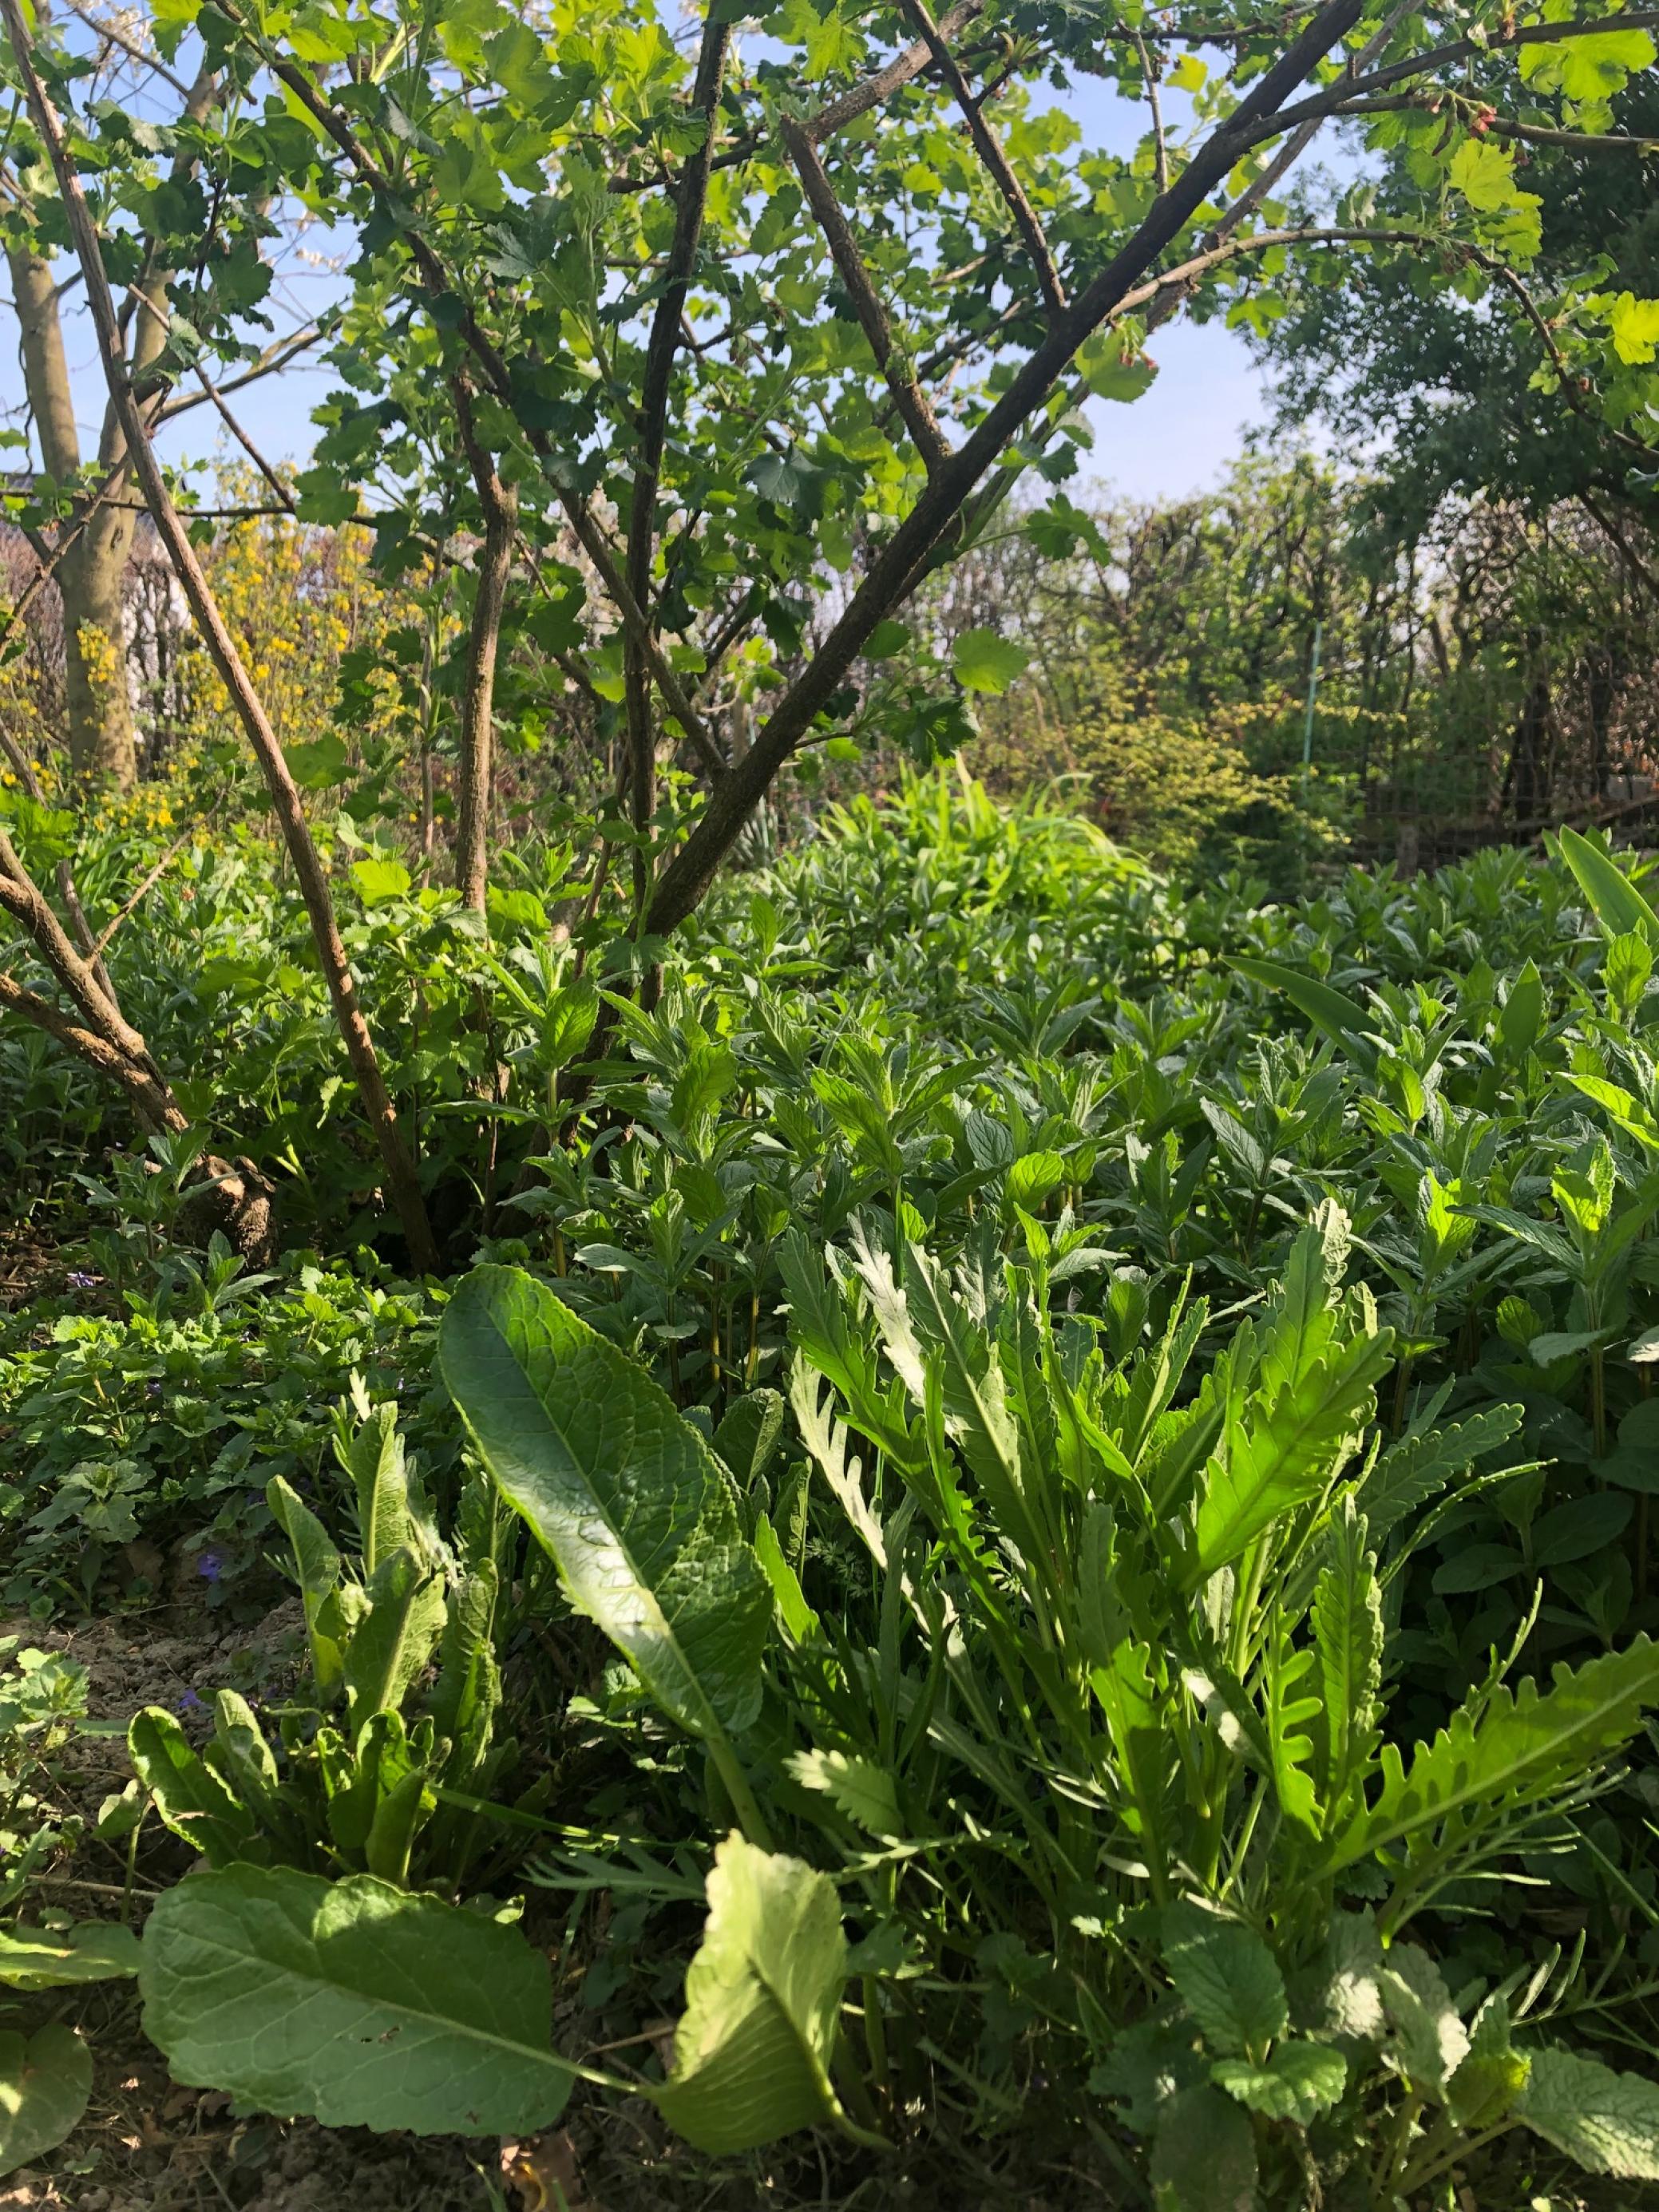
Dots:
(209, 1567)
(190, 1703)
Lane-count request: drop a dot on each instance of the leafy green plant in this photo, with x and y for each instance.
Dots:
(371, 1771)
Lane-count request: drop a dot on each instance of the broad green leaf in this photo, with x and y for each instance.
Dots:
(1614, 900)
(753, 2050)
(1429, 2038)
(1523, 1018)
(1607, 2122)
(1634, 324)
(1203, 2156)
(985, 662)
(394, 1639)
(356, 2002)
(317, 1563)
(1519, 1750)
(748, 1438)
(188, 1795)
(1298, 2082)
(378, 880)
(623, 1494)
(1227, 1978)
(52, 1959)
(46, 2080)
(1341, 1018)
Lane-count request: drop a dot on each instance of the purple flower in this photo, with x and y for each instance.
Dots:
(209, 1567)
(190, 1703)
(81, 1280)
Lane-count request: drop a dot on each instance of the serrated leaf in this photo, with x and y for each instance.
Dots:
(1226, 1977)
(621, 1492)
(1519, 1751)
(46, 2080)
(864, 1791)
(985, 662)
(1298, 2082)
(356, 2002)
(752, 2051)
(1608, 2122)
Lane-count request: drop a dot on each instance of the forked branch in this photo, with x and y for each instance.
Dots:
(989, 148)
(908, 396)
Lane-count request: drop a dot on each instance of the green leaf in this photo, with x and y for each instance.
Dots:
(353, 2002)
(1608, 2122)
(1203, 2156)
(317, 1563)
(752, 2051)
(1519, 1750)
(860, 1789)
(985, 662)
(1298, 2082)
(1634, 326)
(1340, 1017)
(1523, 1018)
(378, 880)
(748, 1438)
(42, 1958)
(623, 1494)
(1430, 2040)
(392, 1641)
(1227, 1978)
(317, 763)
(188, 1795)
(46, 2080)
(1614, 900)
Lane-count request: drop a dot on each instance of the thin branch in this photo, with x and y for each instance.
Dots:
(273, 358)
(1485, 124)
(908, 396)
(124, 913)
(1160, 150)
(488, 358)
(870, 91)
(246, 443)
(989, 148)
(691, 200)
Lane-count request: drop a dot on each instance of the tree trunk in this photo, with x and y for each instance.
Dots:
(89, 575)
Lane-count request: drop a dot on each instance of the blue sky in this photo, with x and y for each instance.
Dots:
(1176, 439)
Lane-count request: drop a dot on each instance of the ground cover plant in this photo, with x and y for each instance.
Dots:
(1106, 1431)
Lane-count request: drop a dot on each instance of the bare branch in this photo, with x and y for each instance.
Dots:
(989, 148)
(690, 199)
(908, 396)
(870, 91)
(246, 443)
(1160, 150)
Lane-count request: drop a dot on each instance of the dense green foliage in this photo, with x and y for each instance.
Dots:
(1145, 1488)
